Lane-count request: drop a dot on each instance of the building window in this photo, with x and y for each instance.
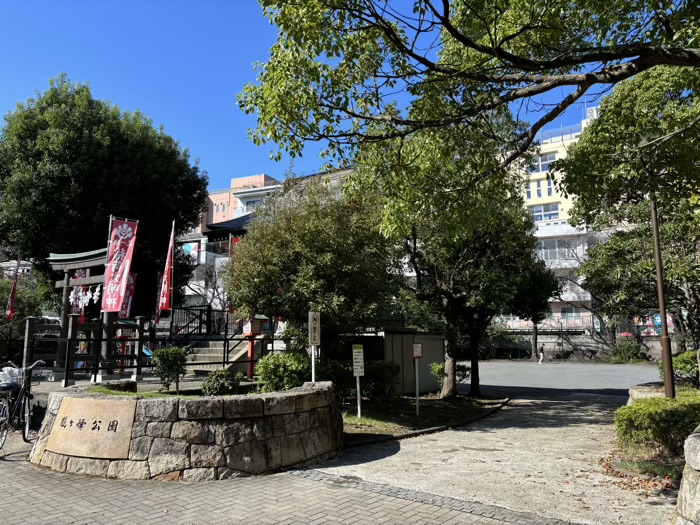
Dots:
(570, 311)
(551, 249)
(223, 207)
(529, 193)
(542, 162)
(545, 212)
(549, 188)
(251, 205)
(539, 190)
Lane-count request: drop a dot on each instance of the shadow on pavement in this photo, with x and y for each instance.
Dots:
(359, 455)
(532, 407)
(551, 394)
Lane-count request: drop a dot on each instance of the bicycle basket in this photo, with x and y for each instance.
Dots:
(11, 375)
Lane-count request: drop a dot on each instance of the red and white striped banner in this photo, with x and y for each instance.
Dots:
(121, 249)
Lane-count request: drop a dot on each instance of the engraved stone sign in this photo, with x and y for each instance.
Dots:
(93, 428)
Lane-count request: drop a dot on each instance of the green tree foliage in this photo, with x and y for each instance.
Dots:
(537, 284)
(311, 250)
(467, 238)
(32, 294)
(68, 161)
(645, 141)
(340, 67)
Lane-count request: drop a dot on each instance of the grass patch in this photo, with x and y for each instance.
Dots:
(399, 417)
(646, 467)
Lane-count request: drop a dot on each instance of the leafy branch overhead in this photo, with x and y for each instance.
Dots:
(340, 67)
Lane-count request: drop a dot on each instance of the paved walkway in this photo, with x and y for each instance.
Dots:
(35, 495)
(543, 453)
(534, 463)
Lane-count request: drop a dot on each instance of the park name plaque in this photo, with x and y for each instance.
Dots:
(93, 428)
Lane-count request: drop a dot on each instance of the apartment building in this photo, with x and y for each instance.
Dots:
(559, 244)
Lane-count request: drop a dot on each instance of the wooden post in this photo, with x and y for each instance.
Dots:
(137, 374)
(96, 348)
(107, 335)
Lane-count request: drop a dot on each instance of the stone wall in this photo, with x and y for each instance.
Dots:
(211, 438)
(688, 506)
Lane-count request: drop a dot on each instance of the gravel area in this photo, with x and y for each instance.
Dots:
(543, 453)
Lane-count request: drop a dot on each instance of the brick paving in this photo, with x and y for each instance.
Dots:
(35, 495)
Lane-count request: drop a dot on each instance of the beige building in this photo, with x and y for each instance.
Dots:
(560, 245)
(244, 195)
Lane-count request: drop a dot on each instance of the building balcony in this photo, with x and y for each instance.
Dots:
(554, 323)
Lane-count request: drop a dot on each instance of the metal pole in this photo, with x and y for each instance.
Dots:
(415, 365)
(359, 401)
(669, 386)
(313, 365)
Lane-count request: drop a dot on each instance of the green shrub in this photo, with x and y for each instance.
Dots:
(221, 383)
(627, 351)
(658, 426)
(379, 382)
(685, 368)
(340, 373)
(278, 372)
(170, 365)
(437, 370)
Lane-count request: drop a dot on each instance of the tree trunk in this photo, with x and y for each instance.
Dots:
(475, 389)
(449, 380)
(535, 355)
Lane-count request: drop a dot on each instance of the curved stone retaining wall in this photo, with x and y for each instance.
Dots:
(192, 439)
(688, 506)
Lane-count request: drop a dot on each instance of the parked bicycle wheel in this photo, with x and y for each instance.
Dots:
(4, 420)
(27, 418)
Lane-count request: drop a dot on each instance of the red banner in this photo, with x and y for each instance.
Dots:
(125, 312)
(166, 285)
(232, 245)
(121, 249)
(10, 310)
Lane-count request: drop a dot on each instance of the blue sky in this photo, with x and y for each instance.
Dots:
(180, 63)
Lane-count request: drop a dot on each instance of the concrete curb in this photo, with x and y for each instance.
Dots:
(424, 431)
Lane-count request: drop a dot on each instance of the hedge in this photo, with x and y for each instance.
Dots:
(658, 426)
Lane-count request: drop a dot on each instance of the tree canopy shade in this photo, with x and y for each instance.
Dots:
(69, 161)
(340, 67)
(310, 249)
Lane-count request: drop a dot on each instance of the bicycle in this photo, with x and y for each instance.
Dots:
(15, 400)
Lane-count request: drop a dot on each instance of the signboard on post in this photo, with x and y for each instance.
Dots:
(358, 361)
(417, 350)
(417, 354)
(358, 370)
(314, 328)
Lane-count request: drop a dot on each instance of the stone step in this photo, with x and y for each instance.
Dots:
(193, 358)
